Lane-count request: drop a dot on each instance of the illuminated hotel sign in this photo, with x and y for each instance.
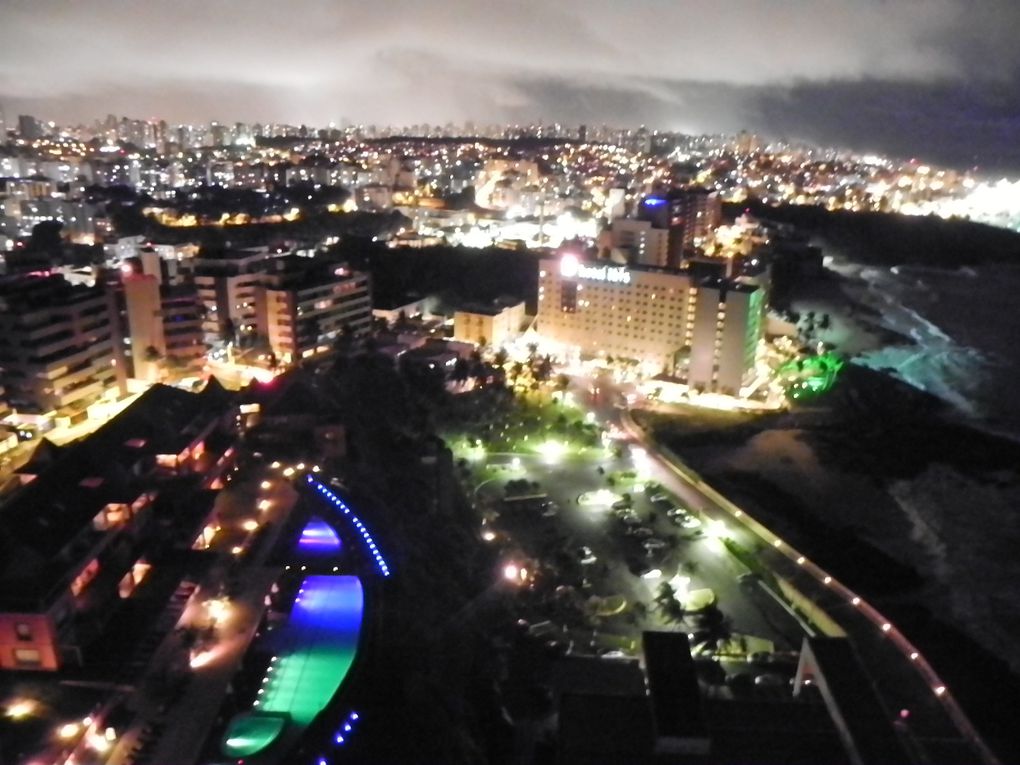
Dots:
(572, 268)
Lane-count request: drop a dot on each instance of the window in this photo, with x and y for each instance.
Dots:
(23, 630)
(27, 657)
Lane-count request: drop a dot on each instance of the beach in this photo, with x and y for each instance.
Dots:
(904, 480)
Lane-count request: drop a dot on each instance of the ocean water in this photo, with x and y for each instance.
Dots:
(964, 529)
(965, 327)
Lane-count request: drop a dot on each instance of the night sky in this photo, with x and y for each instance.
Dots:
(932, 78)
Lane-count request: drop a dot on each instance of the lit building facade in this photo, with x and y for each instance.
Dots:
(226, 284)
(56, 344)
(665, 320)
(493, 324)
(641, 241)
(696, 213)
(181, 312)
(725, 330)
(162, 326)
(302, 306)
(146, 340)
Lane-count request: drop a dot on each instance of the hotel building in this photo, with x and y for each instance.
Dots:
(703, 331)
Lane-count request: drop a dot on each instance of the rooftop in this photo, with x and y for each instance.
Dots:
(74, 482)
(852, 701)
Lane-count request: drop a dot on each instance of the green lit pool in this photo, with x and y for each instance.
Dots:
(322, 640)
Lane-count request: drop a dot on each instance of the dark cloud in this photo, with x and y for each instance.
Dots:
(928, 77)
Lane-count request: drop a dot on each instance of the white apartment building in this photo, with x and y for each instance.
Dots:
(303, 306)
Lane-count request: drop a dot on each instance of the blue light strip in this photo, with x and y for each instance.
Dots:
(342, 735)
(346, 729)
(384, 569)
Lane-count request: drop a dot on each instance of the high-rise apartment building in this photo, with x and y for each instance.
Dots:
(304, 305)
(29, 128)
(161, 327)
(226, 283)
(181, 312)
(56, 346)
(695, 214)
(640, 241)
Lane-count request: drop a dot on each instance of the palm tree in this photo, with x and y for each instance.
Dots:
(668, 606)
(717, 624)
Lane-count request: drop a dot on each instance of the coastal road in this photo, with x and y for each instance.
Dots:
(909, 687)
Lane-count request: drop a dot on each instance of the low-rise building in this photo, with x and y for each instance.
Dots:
(493, 324)
(75, 538)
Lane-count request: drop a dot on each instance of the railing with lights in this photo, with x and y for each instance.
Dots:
(338, 503)
(905, 647)
(342, 735)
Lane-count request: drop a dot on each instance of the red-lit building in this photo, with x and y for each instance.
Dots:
(74, 538)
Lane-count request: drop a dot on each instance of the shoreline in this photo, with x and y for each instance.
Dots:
(836, 477)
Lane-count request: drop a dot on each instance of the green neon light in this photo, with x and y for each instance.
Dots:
(812, 375)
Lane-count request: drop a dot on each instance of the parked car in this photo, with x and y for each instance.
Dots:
(586, 556)
(770, 680)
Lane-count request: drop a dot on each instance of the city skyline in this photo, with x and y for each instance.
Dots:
(865, 77)
(472, 382)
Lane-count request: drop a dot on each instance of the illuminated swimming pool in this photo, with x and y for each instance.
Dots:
(322, 640)
(319, 537)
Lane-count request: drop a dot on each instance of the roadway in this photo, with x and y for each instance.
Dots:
(902, 677)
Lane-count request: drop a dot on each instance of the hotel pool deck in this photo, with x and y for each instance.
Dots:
(313, 653)
(321, 641)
